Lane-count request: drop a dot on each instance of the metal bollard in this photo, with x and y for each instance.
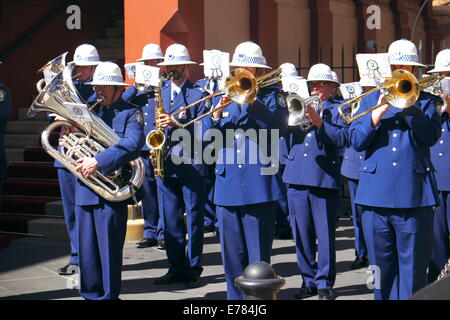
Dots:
(259, 282)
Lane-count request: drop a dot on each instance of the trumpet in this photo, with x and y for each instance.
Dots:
(401, 91)
(241, 86)
(297, 108)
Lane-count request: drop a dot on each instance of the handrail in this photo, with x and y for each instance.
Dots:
(28, 35)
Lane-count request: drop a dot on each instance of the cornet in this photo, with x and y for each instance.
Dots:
(241, 86)
(401, 91)
(297, 108)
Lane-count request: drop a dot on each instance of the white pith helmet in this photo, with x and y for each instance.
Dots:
(107, 74)
(151, 51)
(176, 54)
(249, 54)
(442, 63)
(86, 55)
(403, 52)
(321, 72)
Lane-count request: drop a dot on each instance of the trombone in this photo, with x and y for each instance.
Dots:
(401, 91)
(241, 86)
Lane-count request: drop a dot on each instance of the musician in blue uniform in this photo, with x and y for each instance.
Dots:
(247, 186)
(151, 56)
(312, 172)
(5, 109)
(397, 186)
(350, 169)
(103, 223)
(183, 187)
(86, 59)
(440, 152)
(210, 85)
(153, 222)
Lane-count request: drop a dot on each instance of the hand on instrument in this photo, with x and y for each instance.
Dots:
(224, 101)
(165, 120)
(87, 166)
(379, 112)
(313, 117)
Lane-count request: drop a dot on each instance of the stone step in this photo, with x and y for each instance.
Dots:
(109, 43)
(16, 141)
(114, 33)
(31, 187)
(22, 115)
(14, 155)
(54, 208)
(111, 54)
(26, 127)
(51, 227)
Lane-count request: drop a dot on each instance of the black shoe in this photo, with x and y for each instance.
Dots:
(192, 282)
(326, 294)
(147, 243)
(209, 229)
(284, 236)
(169, 278)
(305, 292)
(360, 262)
(161, 245)
(68, 269)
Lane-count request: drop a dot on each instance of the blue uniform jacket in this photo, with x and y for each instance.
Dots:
(351, 163)
(397, 171)
(440, 156)
(192, 165)
(121, 117)
(254, 179)
(5, 109)
(313, 156)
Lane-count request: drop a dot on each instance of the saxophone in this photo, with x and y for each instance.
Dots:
(156, 139)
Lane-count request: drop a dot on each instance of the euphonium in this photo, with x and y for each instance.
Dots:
(156, 139)
(91, 138)
(297, 108)
(51, 69)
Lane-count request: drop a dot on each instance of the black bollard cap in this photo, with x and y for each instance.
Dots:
(259, 270)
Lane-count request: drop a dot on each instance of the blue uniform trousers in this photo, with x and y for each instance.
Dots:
(313, 216)
(102, 230)
(360, 243)
(210, 207)
(245, 237)
(153, 222)
(402, 241)
(176, 196)
(440, 251)
(67, 182)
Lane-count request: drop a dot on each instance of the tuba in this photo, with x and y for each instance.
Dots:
(297, 110)
(91, 138)
(51, 69)
(156, 139)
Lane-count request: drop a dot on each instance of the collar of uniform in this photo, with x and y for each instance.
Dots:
(176, 88)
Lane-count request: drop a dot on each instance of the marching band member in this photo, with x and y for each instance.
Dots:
(312, 172)
(245, 198)
(350, 169)
(86, 59)
(153, 222)
(183, 188)
(440, 251)
(397, 187)
(283, 228)
(210, 85)
(5, 108)
(102, 223)
(151, 56)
